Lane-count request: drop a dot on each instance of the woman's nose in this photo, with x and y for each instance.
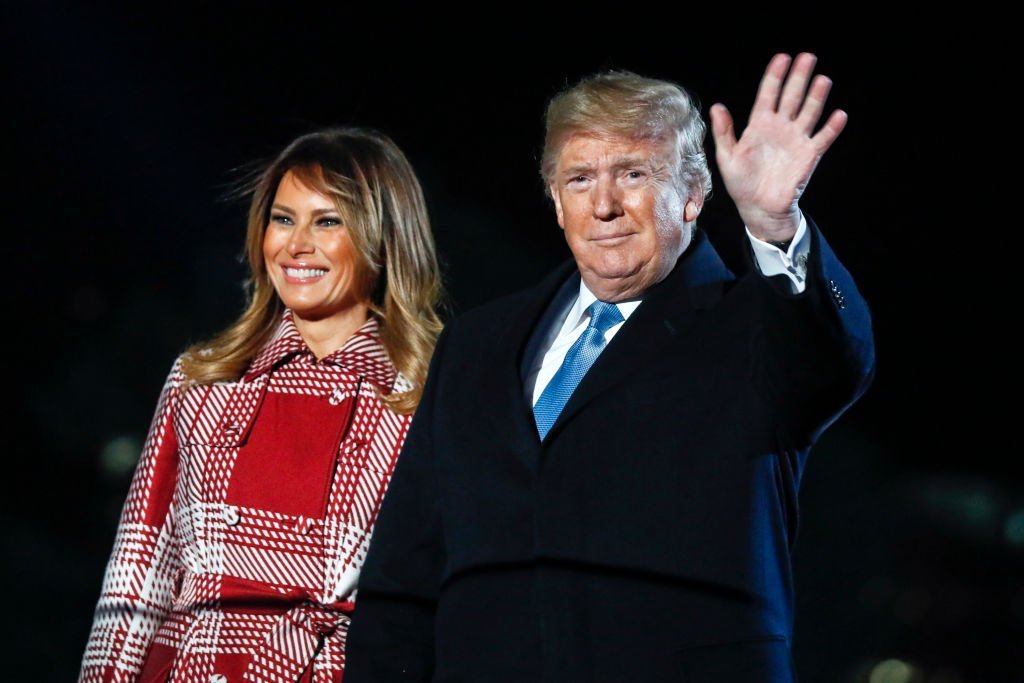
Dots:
(301, 239)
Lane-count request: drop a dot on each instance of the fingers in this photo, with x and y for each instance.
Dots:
(815, 102)
(788, 94)
(796, 85)
(830, 131)
(771, 83)
(722, 129)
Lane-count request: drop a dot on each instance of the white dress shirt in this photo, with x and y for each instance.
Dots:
(770, 259)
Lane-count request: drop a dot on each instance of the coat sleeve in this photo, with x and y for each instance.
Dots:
(813, 353)
(391, 636)
(144, 568)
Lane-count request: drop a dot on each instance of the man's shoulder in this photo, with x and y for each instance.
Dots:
(498, 310)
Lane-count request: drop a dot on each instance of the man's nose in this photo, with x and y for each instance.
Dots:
(301, 239)
(606, 199)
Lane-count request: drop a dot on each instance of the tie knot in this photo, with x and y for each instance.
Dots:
(604, 316)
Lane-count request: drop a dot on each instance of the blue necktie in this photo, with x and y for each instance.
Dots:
(580, 357)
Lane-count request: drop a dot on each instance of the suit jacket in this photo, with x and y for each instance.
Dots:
(649, 536)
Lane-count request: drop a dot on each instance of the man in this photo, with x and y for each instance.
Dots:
(601, 481)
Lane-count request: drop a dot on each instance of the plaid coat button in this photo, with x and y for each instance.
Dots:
(231, 516)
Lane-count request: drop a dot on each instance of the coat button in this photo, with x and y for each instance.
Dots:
(837, 294)
(218, 678)
(231, 517)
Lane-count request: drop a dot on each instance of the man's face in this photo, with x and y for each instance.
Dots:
(623, 213)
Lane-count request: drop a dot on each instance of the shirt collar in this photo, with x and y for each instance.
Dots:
(362, 354)
(579, 309)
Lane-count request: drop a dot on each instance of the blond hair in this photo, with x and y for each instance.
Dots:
(626, 105)
(382, 205)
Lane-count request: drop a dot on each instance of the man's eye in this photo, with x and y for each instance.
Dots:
(578, 179)
(635, 175)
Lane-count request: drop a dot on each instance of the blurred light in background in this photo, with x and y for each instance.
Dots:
(986, 512)
(1013, 530)
(893, 671)
(119, 455)
(902, 671)
(967, 507)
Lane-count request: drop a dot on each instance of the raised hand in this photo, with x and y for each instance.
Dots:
(767, 170)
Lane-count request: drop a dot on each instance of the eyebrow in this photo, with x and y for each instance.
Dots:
(316, 212)
(617, 164)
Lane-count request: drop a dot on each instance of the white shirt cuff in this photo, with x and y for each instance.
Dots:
(792, 263)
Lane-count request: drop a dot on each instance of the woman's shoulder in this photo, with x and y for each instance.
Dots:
(182, 374)
(402, 384)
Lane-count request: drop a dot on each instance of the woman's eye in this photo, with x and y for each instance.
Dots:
(329, 221)
(280, 218)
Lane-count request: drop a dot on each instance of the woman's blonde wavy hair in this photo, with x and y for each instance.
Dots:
(382, 205)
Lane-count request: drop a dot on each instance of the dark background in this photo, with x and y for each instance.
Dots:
(122, 127)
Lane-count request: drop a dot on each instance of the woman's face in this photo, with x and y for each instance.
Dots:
(309, 254)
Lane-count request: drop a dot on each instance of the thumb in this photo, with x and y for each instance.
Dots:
(722, 129)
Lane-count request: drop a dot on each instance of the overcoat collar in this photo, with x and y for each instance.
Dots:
(362, 354)
(667, 309)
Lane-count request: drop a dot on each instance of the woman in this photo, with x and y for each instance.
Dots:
(239, 546)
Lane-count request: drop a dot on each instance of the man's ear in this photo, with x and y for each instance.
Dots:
(691, 211)
(558, 205)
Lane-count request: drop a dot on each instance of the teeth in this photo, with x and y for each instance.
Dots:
(305, 272)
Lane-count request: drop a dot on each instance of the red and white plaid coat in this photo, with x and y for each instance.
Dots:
(239, 546)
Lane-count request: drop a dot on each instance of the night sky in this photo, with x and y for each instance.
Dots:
(125, 127)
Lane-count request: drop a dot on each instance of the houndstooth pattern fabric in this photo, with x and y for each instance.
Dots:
(238, 550)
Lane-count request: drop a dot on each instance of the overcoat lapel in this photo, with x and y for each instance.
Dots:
(667, 310)
(512, 417)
